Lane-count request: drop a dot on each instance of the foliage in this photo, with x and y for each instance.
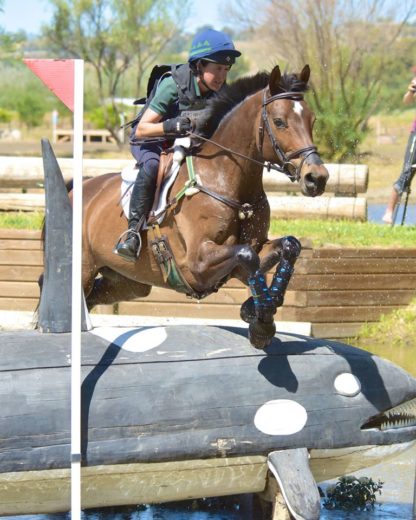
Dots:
(354, 49)
(114, 36)
(25, 94)
(99, 118)
(352, 493)
(5, 115)
(345, 232)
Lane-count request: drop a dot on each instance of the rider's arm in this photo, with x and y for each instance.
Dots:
(150, 124)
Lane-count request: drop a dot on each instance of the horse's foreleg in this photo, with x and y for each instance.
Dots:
(291, 249)
(221, 260)
(283, 252)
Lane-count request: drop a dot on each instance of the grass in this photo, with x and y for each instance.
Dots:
(346, 233)
(321, 232)
(21, 220)
(396, 329)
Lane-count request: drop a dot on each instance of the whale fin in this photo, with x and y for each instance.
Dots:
(54, 313)
(299, 489)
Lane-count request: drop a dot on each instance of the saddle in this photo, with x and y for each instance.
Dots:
(170, 162)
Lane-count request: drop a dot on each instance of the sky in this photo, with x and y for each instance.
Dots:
(29, 15)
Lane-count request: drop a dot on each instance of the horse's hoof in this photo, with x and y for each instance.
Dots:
(247, 311)
(261, 334)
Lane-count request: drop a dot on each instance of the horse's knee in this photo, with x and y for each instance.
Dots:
(291, 247)
(248, 258)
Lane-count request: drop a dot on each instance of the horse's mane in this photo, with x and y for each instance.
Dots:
(234, 93)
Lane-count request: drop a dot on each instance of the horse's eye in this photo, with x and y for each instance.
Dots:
(279, 123)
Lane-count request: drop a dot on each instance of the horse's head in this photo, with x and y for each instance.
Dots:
(286, 131)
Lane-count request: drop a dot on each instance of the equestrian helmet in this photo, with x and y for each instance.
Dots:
(214, 46)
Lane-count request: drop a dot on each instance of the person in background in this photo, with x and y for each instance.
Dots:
(185, 87)
(406, 175)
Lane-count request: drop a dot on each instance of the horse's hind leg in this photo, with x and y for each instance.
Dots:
(112, 287)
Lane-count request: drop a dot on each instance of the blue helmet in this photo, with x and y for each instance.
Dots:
(215, 46)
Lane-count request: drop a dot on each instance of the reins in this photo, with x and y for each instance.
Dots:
(268, 165)
(287, 167)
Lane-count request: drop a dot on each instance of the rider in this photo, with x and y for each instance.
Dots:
(188, 87)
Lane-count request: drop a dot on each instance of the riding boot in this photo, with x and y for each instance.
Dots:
(140, 204)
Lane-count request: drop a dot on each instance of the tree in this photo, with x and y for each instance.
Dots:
(114, 36)
(351, 46)
(9, 42)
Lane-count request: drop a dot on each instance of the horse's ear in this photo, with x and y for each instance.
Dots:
(305, 74)
(274, 80)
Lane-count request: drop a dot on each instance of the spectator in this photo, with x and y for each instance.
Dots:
(403, 182)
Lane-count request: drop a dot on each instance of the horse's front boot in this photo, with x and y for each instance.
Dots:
(262, 327)
(291, 249)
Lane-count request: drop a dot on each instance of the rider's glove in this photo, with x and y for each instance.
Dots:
(177, 126)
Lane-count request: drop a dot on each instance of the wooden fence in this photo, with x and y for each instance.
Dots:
(343, 197)
(335, 289)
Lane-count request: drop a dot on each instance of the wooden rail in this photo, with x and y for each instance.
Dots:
(89, 136)
(337, 290)
(345, 182)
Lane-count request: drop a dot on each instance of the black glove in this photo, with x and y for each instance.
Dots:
(177, 126)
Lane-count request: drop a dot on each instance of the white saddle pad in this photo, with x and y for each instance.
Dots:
(129, 174)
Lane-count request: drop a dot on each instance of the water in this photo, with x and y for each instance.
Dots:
(375, 214)
(394, 503)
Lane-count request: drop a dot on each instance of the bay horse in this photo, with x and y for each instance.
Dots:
(263, 118)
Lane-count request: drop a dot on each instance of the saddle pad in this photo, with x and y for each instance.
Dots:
(129, 174)
(127, 186)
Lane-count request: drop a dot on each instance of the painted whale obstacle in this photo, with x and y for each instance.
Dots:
(175, 412)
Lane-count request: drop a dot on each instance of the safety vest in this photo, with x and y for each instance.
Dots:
(187, 96)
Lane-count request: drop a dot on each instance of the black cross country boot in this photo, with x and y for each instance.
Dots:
(140, 204)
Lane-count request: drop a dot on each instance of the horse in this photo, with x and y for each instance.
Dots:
(221, 231)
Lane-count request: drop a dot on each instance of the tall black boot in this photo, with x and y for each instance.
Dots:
(140, 204)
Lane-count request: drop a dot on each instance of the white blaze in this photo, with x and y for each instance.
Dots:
(297, 107)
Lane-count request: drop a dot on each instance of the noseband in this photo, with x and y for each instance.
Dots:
(290, 169)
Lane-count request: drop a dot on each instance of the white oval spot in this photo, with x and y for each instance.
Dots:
(133, 339)
(347, 384)
(280, 417)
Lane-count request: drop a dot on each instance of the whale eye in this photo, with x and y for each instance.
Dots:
(347, 384)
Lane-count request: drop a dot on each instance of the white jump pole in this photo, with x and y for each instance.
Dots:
(76, 293)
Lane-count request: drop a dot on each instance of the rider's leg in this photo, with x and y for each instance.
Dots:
(140, 203)
(403, 182)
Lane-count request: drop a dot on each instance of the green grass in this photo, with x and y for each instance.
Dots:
(346, 233)
(321, 232)
(21, 220)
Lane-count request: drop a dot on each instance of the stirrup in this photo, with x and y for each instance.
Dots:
(139, 246)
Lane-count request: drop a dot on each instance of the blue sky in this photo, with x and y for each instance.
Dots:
(29, 15)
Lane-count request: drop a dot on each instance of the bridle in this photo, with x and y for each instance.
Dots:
(286, 167)
(290, 169)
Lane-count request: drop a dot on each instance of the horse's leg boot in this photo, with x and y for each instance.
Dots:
(140, 203)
